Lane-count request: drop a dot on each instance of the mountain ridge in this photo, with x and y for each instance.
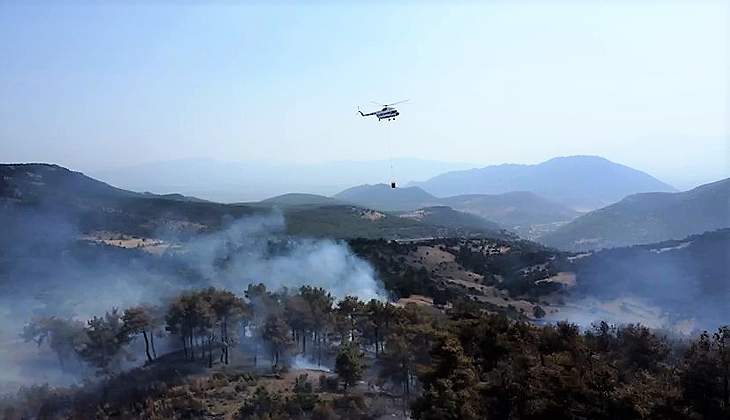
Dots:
(646, 218)
(88, 205)
(519, 210)
(580, 182)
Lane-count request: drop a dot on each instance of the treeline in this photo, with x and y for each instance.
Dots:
(486, 366)
(461, 363)
(203, 325)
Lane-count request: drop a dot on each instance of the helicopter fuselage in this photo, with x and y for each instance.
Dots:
(387, 113)
(384, 114)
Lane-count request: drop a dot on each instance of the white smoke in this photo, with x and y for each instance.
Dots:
(301, 362)
(240, 255)
(79, 285)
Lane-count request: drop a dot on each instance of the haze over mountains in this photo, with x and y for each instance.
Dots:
(519, 210)
(532, 200)
(647, 217)
(579, 182)
(375, 210)
(252, 181)
(45, 192)
(51, 193)
(687, 277)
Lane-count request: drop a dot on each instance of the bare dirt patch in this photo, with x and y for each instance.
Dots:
(564, 277)
(151, 245)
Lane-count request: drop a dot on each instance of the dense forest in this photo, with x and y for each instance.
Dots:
(461, 362)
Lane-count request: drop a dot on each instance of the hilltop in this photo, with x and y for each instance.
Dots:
(224, 181)
(646, 218)
(579, 182)
(385, 198)
(300, 199)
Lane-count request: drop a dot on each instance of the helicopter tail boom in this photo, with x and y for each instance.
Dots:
(364, 115)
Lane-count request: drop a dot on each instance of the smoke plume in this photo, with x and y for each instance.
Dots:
(47, 270)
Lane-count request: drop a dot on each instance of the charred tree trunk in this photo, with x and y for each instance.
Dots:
(152, 343)
(225, 341)
(210, 350)
(185, 345)
(319, 350)
(725, 389)
(376, 343)
(192, 343)
(147, 346)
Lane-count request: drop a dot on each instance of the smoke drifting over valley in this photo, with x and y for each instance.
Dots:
(47, 270)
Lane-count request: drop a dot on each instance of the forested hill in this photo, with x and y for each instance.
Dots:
(518, 210)
(50, 193)
(42, 190)
(646, 218)
(687, 278)
(385, 198)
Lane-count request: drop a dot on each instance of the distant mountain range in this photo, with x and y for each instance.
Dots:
(579, 182)
(648, 217)
(49, 195)
(373, 211)
(229, 182)
(513, 210)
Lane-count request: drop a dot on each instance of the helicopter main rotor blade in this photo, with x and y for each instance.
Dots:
(399, 102)
(378, 103)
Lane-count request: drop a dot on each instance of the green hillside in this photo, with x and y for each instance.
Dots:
(385, 198)
(299, 199)
(646, 218)
(512, 209)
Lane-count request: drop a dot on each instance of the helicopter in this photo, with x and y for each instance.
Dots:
(387, 113)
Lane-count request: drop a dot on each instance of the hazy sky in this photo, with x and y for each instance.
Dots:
(641, 83)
